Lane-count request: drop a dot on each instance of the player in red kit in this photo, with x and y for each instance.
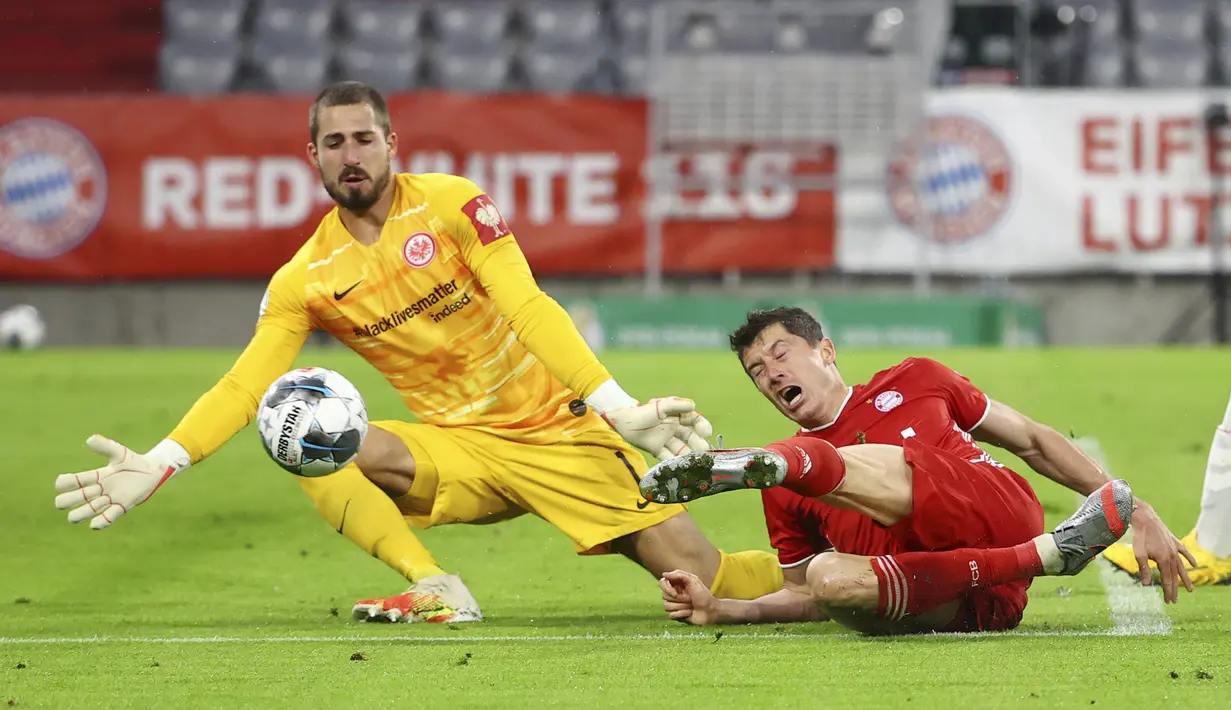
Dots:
(887, 515)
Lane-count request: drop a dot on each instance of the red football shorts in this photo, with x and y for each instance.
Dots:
(959, 503)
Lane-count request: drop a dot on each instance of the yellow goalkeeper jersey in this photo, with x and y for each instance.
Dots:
(443, 304)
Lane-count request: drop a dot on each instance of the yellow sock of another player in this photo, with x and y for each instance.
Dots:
(747, 575)
(355, 507)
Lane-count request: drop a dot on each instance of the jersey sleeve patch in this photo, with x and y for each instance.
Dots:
(487, 220)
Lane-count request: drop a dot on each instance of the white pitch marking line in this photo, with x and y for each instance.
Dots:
(1135, 610)
(666, 636)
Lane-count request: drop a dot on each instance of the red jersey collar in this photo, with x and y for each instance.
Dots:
(849, 391)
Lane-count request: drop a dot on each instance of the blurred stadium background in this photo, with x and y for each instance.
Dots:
(921, 172)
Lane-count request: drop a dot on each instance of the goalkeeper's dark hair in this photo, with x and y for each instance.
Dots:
(348, 93)
(797, 321)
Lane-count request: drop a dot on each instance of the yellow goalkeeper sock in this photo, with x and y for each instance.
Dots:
(355, 507)
(747, 575)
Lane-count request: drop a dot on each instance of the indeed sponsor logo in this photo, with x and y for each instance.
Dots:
(441, 303)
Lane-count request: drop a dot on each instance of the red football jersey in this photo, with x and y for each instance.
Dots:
(918, 398)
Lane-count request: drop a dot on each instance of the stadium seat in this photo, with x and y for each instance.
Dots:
(997, 51)
(198, 68)
(477, 27)
(742, 32)
(632, 24)
(565, 24)
(632, 73)
(298, 70)
(1172, 21)
(1054, 60)
(381, 24)
(472, 72)
(724, 27)
(293, 23)
(1171, 65)
(1104, 20)
(798, 29)
(559, 72)
(957, 52)
(1103, 66)
(388, 70)
(695, 32)
(203, 21)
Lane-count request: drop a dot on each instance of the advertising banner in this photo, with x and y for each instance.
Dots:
(155, 187)
(704, 323)
(1009, 181)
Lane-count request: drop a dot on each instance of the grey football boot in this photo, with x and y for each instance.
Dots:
(703, 473)
(1099, 522)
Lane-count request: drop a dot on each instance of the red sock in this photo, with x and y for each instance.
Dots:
(917, 582)
(813, 466)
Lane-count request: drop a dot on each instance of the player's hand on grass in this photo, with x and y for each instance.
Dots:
(664, 426)
(687, 599)
(106, 493)
(1153, 540)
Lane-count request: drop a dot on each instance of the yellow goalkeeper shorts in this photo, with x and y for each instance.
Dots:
(585, 486)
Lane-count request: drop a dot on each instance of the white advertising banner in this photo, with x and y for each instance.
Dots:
(1011, 181)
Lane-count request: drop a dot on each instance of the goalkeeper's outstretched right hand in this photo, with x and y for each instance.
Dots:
(664, 426)
(106, 493)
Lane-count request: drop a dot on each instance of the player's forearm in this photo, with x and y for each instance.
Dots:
(783, 606)
(217, 416)
(541, 324)
(230, 405)
(546, 330)
(1055, 456)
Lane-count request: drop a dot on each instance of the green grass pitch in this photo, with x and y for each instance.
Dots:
(227, 590)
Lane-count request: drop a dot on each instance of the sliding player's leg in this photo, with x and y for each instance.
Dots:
(966, 589)
(587, 488)
(877, 480)
(1210, 540)
(922, 592)
(873, 479)
(855, 591)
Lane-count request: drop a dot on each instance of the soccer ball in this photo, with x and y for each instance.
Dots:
(312, 421)
(21, 328)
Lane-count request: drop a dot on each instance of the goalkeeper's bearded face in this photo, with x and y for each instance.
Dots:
(801, 379)
(354, 156)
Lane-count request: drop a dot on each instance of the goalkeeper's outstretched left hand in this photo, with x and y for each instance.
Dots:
(664, 426)
(106, 493)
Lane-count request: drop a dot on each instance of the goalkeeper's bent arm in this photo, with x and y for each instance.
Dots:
(282, 329)
(539, 322)
(231, 404)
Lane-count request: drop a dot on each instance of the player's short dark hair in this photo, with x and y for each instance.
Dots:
(348, 93)
(797, 321)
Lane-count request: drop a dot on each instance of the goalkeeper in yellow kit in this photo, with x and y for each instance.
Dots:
(421, 276)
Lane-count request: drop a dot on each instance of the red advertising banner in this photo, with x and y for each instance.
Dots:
(172, 187)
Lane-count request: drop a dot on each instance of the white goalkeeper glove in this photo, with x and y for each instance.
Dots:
(128, 480)
(664, 426)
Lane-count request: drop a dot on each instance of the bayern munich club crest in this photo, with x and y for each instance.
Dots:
(961, 177)
(53, 188)
(419, 249)
(888, 400)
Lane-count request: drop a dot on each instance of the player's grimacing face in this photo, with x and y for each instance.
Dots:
(353, 155)
(797, 377)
